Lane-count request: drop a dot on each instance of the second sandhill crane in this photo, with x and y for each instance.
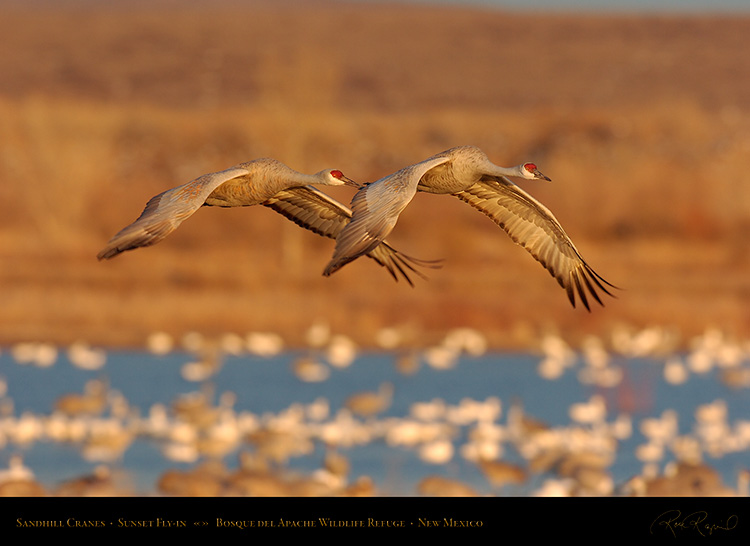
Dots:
(262, 181)
(467, 173)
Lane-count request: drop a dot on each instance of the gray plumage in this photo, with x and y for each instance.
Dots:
(375, 211)
(319, 213)
(468, 174)
(265, 182)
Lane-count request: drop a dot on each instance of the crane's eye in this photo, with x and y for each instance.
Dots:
(337, 174)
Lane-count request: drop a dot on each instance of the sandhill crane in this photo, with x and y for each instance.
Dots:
(467, 173)
(262, 181)
(438, 486)
(369, 403)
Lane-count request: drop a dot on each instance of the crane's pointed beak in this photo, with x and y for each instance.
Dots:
(349, 182)
(538, 175)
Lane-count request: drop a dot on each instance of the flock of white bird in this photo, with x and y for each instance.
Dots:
(511, 449)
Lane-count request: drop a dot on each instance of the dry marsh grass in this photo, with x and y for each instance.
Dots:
(647, 156)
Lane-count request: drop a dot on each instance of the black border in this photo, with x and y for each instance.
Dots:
(534, 518)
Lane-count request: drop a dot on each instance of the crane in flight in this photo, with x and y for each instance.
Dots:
(467, 173)
(265, 182)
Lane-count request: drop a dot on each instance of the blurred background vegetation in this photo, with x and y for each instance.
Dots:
(642, 122)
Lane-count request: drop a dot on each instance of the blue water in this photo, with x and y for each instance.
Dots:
(268, 385)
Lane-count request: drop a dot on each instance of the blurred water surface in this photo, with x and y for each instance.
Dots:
(264, 386)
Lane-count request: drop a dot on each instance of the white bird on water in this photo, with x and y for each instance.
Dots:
(467, 173)
(266, 182)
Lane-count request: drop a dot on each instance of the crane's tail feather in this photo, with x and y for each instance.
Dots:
(396, 263)
(409, 262)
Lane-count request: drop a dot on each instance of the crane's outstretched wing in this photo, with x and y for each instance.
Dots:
(375, 211)
(314, 210)
(166, 211)
(531, 225)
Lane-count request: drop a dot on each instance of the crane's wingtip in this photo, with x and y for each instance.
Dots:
(336, 264)
(111, 251)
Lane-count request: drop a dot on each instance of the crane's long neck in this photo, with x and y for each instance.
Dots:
(293, 179)
(275, 176)
(496, 170)
(321, 179)
(303, 179)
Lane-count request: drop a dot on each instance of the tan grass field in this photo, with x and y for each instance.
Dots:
(643, 124)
